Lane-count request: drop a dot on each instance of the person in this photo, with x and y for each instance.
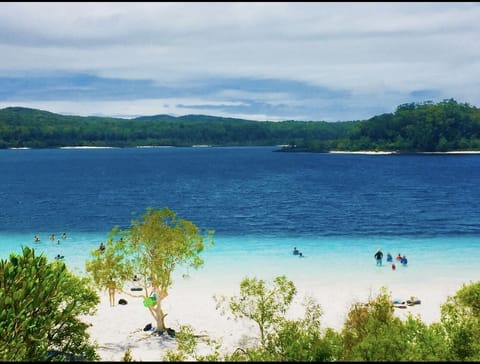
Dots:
(399, 257)
(394, 266)
(101, 247)
(58, 257)
(300, 255)
(52, 237)
(36, 239)
(295, 251)
(111, 292)
(64, 235)
(389, 257)
(404, 260)
(378, 256)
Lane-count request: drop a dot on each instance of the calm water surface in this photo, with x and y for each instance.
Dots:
(337, 208)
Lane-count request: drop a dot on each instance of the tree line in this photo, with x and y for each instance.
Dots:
(31, 128)
(413, 127)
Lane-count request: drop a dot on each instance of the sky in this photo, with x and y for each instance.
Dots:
(319, 61)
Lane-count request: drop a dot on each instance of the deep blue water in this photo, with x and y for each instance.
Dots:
(242, 191)
(336, 208)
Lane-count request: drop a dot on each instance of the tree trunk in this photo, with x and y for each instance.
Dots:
(160, 317)
(159, 314)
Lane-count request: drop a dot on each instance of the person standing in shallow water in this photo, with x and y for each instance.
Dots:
(378, 257)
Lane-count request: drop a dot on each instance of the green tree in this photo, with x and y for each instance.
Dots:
(40, 306)
(260, 303)
(302, 339)
(460, 317)
(371, 331)
(110, 268)
(284, 339)
(152, 247)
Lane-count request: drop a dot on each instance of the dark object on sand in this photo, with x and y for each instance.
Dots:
(147, 327)
(122, 301)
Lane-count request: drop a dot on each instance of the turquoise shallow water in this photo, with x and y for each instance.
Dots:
(334, 258)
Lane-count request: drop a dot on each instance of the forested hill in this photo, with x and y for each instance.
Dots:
(23, 127)
(414, 127)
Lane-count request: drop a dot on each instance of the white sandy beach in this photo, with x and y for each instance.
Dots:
(382, 152)
(190, 302)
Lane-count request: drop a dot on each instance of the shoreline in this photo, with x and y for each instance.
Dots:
(190, 302)
(282, 148)
(402, 153)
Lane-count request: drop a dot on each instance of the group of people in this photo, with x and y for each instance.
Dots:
(36, 239)
(399, 258)
(297, 252)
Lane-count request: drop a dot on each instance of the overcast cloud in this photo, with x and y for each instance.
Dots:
(261, 61)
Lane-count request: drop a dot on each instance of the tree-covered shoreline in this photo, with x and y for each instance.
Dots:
(31, 128)
(413, 128)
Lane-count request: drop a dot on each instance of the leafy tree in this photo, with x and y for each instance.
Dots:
(40, 304)
(152, 247)
(373, 333)
(284, 339)
(302, 339)
(110, 268)
(460, 317)
(260, 303)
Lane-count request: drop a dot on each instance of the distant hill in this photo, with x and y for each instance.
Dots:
(414, 127)
(189, 118)
(31, 128)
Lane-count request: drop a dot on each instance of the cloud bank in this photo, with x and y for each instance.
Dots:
(261, 61)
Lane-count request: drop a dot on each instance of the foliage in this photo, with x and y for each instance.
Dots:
(110, 268)
(23, 127)
(187, 344)
(302, 339)
(371, 332)
(152, 247)
(40, 304)
(412, 128)
(264, 305)
(426, 127)
(127, 356)
(460, 317)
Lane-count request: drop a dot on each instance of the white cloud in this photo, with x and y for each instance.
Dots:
(365, 48)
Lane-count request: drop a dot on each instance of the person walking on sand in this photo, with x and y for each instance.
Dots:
(378, 257)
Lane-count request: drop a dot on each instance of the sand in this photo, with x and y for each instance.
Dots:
(190, 302)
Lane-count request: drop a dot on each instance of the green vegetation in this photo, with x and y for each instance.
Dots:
(110, 269)
(413, 127)
(265, 306)
(39, 307)
(152, 247)
(427, 127)
(22, 127)
(371, 331)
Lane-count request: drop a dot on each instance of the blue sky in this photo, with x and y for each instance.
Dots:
(259, 61)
